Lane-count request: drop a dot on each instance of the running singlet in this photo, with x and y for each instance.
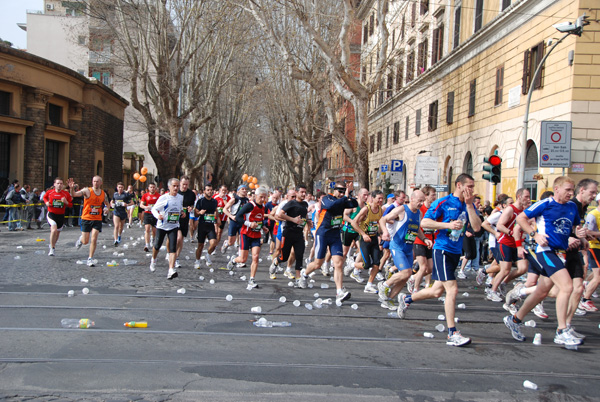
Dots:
(171, 208)
(554, 220)
(209, 218)
(447, 209)
(56, 205)
(592, 221)
(239, 203)
(121, 201)
(427, 232)
(493, 220)
(221, 202)
(92, 206)
(294, 209)
(150, 199)
(251, 212)
(506, 239)
(406, 230)
(371, 223)
(347, 225)
(269, 207)
(331, 216)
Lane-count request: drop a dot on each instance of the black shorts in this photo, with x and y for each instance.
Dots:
(348, 238)
(87, 226)
(170, 234)
(469, 248)
(149, 219)
(223, 223)
(120, 214)
(206, 233)
(370, 252)
(56, 219)
(184, 226)
(420, 250)
(574, 264)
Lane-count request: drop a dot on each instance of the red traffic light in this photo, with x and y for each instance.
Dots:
(494, 160)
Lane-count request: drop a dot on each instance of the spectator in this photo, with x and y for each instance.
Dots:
(14, 197)
(34, 209)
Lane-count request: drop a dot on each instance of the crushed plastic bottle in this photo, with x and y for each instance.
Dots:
(82, 323)
(318, 303)
(129, 262)
(84, 280)
(136, 324)
(392, 314)
(324, 286)
(440, 327)
(427, 334)
(308, 306)
(262, 322)
(462, 306)
(530, 323)
(571, 347)
(282, 324)
(243, 277)
(441, 317)
(530, 385)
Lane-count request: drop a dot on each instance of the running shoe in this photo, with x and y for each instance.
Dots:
(78, 243)
(513, 295)
(410, 284)
(116, 243)
(511, 308)
(252, 284)
(456, 339)
(224, 248)
(389, 304)
(480, 278)
(579, 312)
(494, 296)
(90, 262)
(370, 288)
(402, 306)
(379, 277)
(324, 270)
(384, 291)
(289, 274)
(566, 338)
(583, 305)
(515, 328)
(303, 280)
(342, 295)
(172, 273)
(146, 249)
(461, 275)
(152, 266)
(197, 264)
(236, 245)
(489, 280)
(241, 265)
(575, 333)
(348, 268)
(502, 289)
(177, 264)
(356, 276)
(539, 311)
(207, 259)
(51, 252)
(231, 263)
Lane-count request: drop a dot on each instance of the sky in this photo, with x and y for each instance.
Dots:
(13, 12)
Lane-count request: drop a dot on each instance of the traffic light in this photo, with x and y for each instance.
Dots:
(493, 165)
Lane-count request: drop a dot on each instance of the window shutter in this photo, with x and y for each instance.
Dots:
(540, 56)
(525, 81)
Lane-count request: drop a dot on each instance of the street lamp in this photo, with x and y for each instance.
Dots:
(567, 28)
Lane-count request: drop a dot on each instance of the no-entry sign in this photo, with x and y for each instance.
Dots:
(555, 144)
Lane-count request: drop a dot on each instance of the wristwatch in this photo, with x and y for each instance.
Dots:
(532, 233)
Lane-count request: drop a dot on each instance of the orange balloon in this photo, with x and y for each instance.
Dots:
(144, 170)
(249, 179)
(254, 180)
(142, 179)
(244, 177)
(136, 176)
(251, 185)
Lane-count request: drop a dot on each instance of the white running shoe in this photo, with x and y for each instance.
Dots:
(379, 277)
(515, 328)
(303, 280)
(197, 264)
(51, 252)
(231, 263)
(480, 277)
(402, 306)
(410, 284)
(370, 288)
(224, 247)
(78, 243)
(90, 262)
(252, 284)
(324, 270)
(177, 264)
(356, 276)
(494, 296)
(342, 295)
(389, 304)
(152, 266)
(575, 333)
(461, 275)
(566, 338)
(513, 295)
(456, 339)
(539, 311)
(207, 259)
(383, 291)
(289, 274)
(172, 273)
(348, 268)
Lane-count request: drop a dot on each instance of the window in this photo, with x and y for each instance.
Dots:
(400, 75)
(372, 24)
(54, 114)
(413, 15)
(387, 137)
(366, 33)
(472, 92)
(418, 123)
(437, 49)
(372, 144)
(433, 116)
(450, 108)
(505, 4)
(396, 137)
(499, 85)
(364, 74)
(81, 40)
(422, 63)
(478, 15)
(380, 94)
(424, 6)
(106, 79)
(531, 61)
(5, 102)
(410, 67)
(403, 28)
(390, 83)
(406, 128)
(379, 140)
(457, 13)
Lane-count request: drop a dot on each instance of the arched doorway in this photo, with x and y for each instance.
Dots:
(468, 164)
(531, 168)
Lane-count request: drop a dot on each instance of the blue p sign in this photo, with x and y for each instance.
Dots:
(397, 165)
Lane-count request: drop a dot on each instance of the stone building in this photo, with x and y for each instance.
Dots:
(56, 122)
(458, 82)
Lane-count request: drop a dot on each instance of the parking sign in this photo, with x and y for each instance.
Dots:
(397, 165)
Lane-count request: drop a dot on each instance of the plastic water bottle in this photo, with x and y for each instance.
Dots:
(529, 385)
(282, 324)
(427, 334)
(83, 323)
(263, 323)
(530, 323)
(456, 233)
(129, 262)
(136, 324)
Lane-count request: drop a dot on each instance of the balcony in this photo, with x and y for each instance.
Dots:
(101, 57)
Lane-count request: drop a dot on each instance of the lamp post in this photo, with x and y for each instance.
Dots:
(568, 28)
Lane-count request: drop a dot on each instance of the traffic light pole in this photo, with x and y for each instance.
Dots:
(494, 193)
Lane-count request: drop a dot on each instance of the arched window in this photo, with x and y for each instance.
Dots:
(468, 164)
(99, 170)
(531, 168)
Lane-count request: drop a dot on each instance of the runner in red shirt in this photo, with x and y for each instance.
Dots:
(146, 204)
(56, 201)
(222, 199)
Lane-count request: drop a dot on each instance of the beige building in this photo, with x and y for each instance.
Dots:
(457, 88)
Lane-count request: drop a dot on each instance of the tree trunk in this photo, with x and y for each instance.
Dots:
(361, 170)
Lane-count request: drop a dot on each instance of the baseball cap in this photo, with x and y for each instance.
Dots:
(241, 186)
(390, 196)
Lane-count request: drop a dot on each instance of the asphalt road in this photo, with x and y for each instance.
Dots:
(199, 346)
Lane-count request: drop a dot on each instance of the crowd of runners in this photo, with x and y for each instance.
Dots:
(408, 250)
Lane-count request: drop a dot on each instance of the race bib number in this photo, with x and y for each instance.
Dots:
(96, 210)
(336, 222)
(258, 227)
(119, 203)
(57, 204)
(220, 210)
(373, 228)
(302, 223)
(429, 231)
(410, 237)
(209, 218)
(173, 217)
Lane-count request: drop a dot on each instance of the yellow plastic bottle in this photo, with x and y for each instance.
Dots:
(136, 324)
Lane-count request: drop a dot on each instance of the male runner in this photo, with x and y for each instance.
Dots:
(349, 235)
(231, 209)
(423, 252)
(189, 199)
(146, 204)
(593, 225)
(56, 201)
(208, 222)
(120, 202)
(222, 199)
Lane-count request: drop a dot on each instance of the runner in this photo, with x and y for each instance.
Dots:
(294, 212)
(401, 228)
(189, 199)
(146, 204)
(489, 225)
(349, 235)
(120, 203)
(133, 196)
(399, 198)
(556, 218)
(94, 205)
(270, 219)
(167, 211)
(278, 229)
(327, 236)
(56, 201)
(423, 252)
(593, 225)
(250, 218)
(194, 218)
(447, 215)
(366, 224)
(208, 222)
(230, 209)
(222, 199)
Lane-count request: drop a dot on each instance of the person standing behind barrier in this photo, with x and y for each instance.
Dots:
(14, 197)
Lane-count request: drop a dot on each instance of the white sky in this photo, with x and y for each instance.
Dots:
(13, 12)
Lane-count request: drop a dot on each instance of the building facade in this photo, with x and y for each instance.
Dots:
(56, 122)
(457, 86)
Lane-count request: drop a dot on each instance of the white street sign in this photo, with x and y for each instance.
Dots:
(555, 144)
(426, 171)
